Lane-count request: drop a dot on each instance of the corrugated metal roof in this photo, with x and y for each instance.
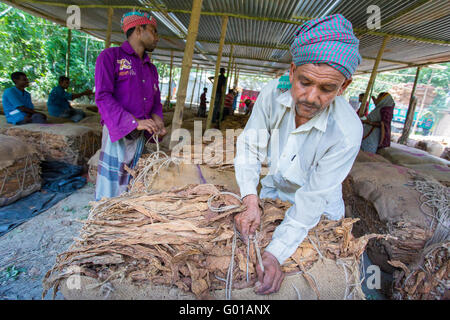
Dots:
(262, 30)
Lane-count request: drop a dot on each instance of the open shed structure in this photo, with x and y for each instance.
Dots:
(253, 36)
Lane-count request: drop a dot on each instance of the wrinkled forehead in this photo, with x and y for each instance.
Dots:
(320, 73)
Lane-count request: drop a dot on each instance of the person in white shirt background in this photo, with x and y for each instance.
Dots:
(310, 136)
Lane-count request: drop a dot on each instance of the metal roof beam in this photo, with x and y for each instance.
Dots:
(406, 67)
(298, 20)
(398, 15)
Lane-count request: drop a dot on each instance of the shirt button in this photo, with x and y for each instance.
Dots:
(134, 122)
(143, 81)
(145, 99)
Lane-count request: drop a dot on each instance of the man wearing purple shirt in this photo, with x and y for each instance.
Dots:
(128, 100)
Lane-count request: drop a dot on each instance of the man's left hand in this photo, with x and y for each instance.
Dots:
(271, 279)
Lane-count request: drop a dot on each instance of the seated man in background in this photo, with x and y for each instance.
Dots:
(17, 103)
(58, 101)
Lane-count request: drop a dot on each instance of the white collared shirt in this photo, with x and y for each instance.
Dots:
(306, 167)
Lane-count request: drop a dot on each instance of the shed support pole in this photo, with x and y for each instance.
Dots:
(373, 76)
(169, 93)
(186, 68)
(193, 88)
(109, 29)
(411, 110)
(422, 105)
(69, 41)
(216, 76)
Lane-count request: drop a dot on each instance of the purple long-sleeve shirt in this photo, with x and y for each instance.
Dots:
(126, 86)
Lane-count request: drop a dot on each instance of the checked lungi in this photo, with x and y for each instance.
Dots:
(112, 178)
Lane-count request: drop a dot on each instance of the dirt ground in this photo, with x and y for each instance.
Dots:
(30, 250)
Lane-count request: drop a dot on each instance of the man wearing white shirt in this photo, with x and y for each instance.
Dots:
(310, 136)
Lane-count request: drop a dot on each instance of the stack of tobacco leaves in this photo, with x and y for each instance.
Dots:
(428, 278)
(174, 239)
(19, 170)
(59, 142)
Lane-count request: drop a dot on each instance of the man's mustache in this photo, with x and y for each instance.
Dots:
(309, 105)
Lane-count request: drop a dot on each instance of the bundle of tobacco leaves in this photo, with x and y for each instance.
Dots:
(428, 278)
(175, 239)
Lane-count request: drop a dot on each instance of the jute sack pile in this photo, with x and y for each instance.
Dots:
(68, 143)
(19, 170)
(402, 155)
(183, 244)
(387, 200)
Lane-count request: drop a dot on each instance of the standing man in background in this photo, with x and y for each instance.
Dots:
(220, 87)
(129, 102)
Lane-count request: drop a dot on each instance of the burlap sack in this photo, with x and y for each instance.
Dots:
(370, 157)
(401, 155)
(19, 170)
(379, 195)
(69, 143)
(330, 278)
(3, 124)
(177, 176)
(439, 172)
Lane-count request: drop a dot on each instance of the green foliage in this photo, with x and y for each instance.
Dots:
(38, 48)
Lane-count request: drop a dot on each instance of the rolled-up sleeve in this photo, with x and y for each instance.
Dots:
(252, 147)
(118, 121)
(311, 200)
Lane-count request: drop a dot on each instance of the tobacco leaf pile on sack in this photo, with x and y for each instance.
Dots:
(59, 142)
(19, 170)
(428, 279)
(180, 239)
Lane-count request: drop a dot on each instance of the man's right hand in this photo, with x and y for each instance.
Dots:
(247, 222)
(149, 125)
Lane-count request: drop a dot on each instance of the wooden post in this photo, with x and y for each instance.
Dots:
(186, 67)
(411, 110)
(216, 76)
(200, 84)
(230, 63)
(69, 41)
(109, 28)
(422, 105)
(193, 89)
(236, 79)
(169, 93)
(373, 76)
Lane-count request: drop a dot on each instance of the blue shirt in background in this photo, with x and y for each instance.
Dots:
(58, 101)
(13, 98)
